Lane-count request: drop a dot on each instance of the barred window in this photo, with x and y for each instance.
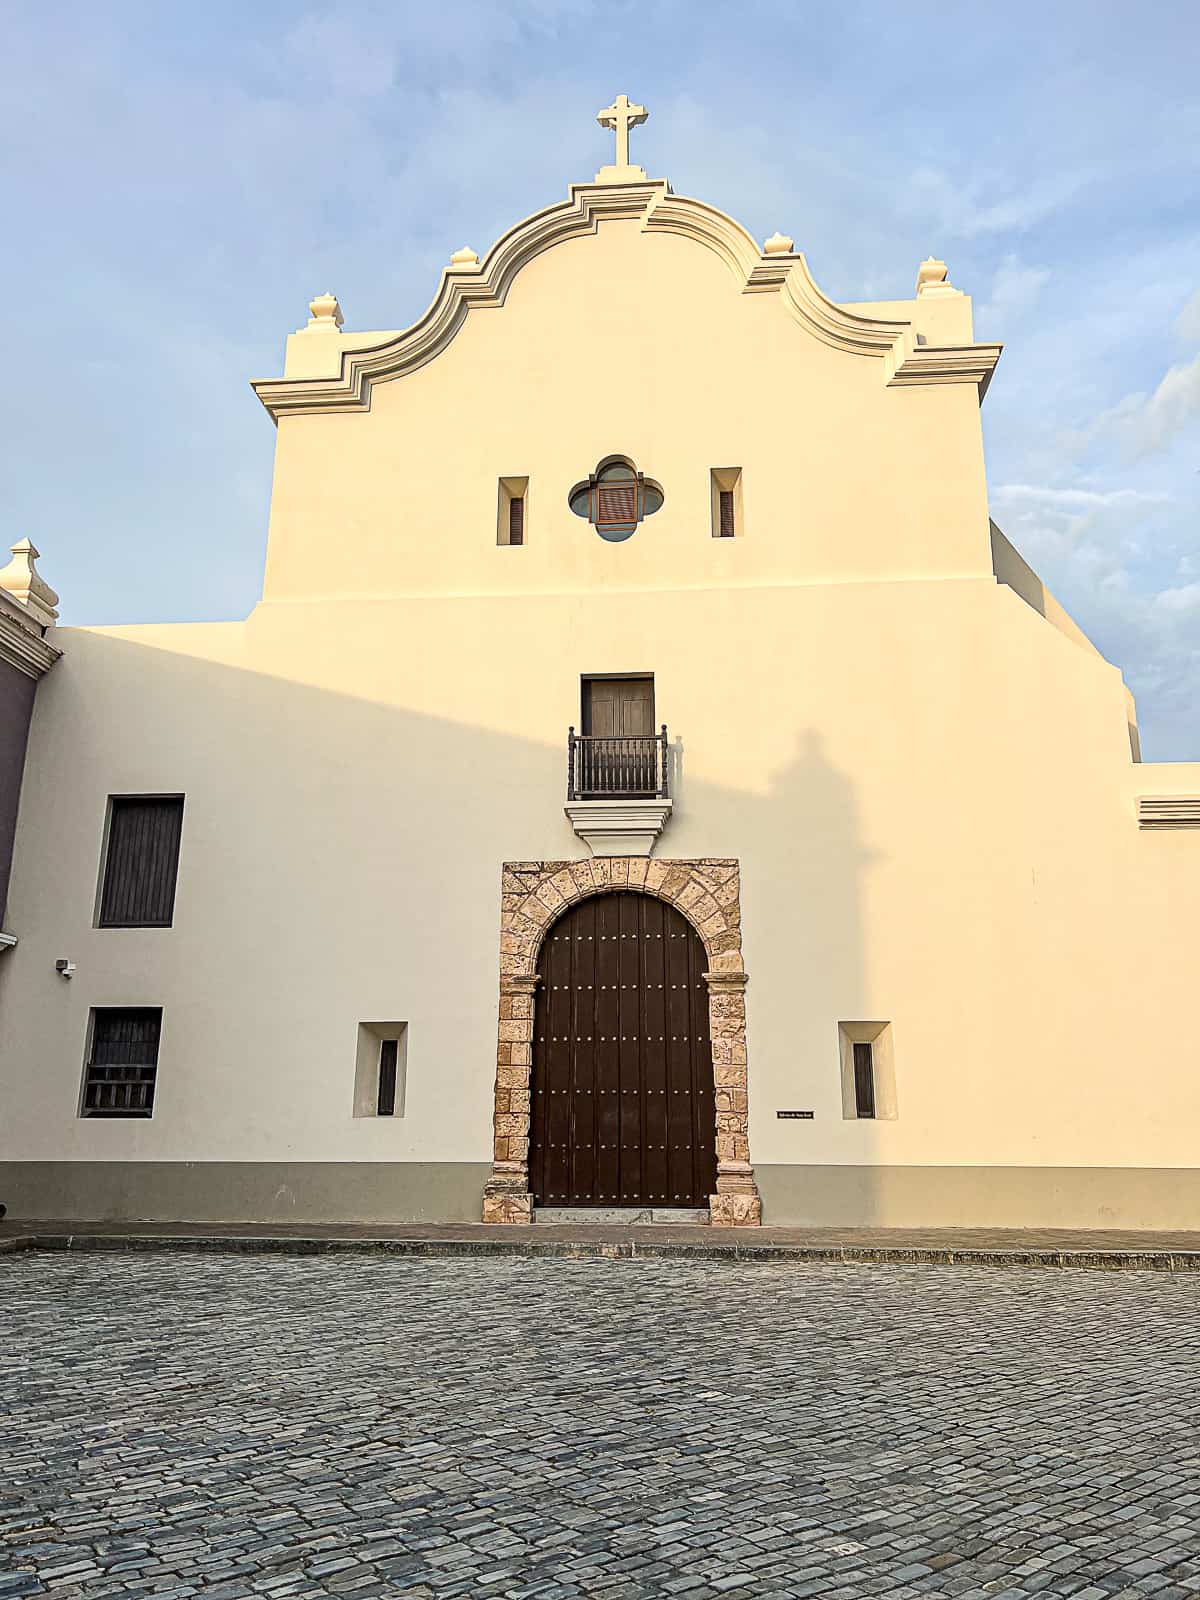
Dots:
(122, 1062)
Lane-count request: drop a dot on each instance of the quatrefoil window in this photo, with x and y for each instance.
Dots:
(616, 498)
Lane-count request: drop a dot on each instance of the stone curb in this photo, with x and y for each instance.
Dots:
(625, 1249)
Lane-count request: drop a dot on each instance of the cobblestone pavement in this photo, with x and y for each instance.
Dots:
(303, 1426)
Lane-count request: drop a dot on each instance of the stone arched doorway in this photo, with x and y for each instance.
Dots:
(622, 1097)
(533, 896)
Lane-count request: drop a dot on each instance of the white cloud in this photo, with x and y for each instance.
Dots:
(1143, 423)
(1187, 324)
(1076, 499)
(1185, 598)
(1015, 291)
(993, 202)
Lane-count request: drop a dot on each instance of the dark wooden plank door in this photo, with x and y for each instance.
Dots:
(616, 708)
(623, 1099)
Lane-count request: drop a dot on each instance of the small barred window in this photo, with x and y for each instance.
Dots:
(122, 1062)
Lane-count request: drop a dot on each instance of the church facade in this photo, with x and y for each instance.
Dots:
(649, 782)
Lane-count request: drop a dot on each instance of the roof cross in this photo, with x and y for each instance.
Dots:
(621, 116)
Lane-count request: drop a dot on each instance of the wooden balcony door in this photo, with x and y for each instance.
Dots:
(616, 708)
(617, 757)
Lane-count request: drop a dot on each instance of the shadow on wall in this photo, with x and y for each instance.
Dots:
(342, 859)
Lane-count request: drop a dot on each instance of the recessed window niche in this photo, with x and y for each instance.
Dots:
(868, 1066)
(381, 1069)
(512, 506)
(725, 488)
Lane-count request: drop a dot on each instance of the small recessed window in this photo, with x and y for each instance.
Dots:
(616, 498)
(141, 861)
(868, 1071)
(512, 504)
(726, 493)
(122, 1062)
(380, 1069)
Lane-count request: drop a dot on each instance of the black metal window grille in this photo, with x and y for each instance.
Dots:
(142, 861)
(122, 1062)
(726, 514)
(385, 1105)
(864, 1081)
(516, 519)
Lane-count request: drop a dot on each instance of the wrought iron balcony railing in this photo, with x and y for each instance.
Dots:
(629, 767)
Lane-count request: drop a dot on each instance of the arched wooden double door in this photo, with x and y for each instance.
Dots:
(623, 1096)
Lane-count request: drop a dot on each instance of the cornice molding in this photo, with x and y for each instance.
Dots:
(468, 284)
(463, 286)
(952, 363)
(22, 646)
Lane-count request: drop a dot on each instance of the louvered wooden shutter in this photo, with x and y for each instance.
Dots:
(142, 862)
(616, 504)
(516, 519)
(726, 517)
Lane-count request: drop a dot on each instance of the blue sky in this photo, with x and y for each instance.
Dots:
(178, 180)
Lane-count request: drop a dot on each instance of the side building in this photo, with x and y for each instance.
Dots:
(27, 614)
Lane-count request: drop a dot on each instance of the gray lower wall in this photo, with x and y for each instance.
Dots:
(980, 1197)
(813, 1196)
(16, 706)
(244, 1191)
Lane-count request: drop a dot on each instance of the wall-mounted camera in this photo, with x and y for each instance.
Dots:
(65, 969)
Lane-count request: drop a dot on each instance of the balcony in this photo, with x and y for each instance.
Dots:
(618, 790)
(629, 767)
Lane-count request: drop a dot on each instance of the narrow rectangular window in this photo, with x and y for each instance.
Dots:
(141, 861)
(726, 514)
(512, 512)
(386, 1104)
(864, 1081)
(122, 1063)
(725, 485)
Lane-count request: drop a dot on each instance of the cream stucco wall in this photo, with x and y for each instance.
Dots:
(927, 783)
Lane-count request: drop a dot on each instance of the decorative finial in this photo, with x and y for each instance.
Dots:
(620, 117)
(21, 579)
(778, 245)
(466, 257)
(933, 278)
(325, 312)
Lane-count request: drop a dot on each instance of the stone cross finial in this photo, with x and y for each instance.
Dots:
(21, 579)
(620, 117)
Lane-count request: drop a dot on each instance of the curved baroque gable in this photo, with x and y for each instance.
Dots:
(467, 285)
